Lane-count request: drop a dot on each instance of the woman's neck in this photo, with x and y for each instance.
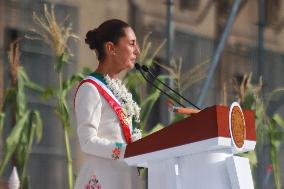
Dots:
(106, 69)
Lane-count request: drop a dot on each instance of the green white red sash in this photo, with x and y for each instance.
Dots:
(113, 102)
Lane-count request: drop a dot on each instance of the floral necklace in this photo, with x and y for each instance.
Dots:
(129, 107)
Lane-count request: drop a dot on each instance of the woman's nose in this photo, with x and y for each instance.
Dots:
(137, 50)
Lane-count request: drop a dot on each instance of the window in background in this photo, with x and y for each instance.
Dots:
(189, 5)
(272, 12)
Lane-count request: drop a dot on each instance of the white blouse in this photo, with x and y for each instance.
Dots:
(102, 140)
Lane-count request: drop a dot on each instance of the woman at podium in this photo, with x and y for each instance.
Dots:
(105, 110)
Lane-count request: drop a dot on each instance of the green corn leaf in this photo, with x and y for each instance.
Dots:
(70, 83)
(9, 96)
(39, 126)
(33, 86)
(61, 61)
(278, 119)
(24, 147)
(132, 80)
(2, 118)
(275, 139)
(156, 128)
(77, 77)
(63, 113)
(144, 52)
(248, 101)
(13, 140)
(275, 164)
(145, 41)
(48, 93)
(28, 147)
(158, 49)
(22, 75)
(21, 98)
(19, 153)
(86, 71)
(147, 106)
(25, 183)
(178, 117)
(251, 156)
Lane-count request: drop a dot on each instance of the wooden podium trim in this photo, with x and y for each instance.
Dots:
(209, 123)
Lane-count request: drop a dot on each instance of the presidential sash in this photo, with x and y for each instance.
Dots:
(113, 102)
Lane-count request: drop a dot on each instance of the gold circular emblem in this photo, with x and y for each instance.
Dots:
(238, 130)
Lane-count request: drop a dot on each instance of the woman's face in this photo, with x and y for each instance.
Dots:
(126, 50)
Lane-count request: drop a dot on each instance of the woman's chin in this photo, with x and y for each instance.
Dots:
(131, 66)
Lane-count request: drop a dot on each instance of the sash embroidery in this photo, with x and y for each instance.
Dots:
(115, 106)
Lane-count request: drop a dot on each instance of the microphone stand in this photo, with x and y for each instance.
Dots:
(138, 67)
(146, 69)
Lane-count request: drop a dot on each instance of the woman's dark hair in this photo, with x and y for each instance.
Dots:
(108, 31)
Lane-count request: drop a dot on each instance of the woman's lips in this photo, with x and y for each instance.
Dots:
(133, 59)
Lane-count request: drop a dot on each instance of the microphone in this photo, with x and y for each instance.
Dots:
(146, 69)
(138, 67)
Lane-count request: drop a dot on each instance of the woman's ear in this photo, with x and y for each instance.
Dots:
(109, 48)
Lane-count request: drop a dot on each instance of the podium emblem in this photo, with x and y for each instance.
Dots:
(237, 126)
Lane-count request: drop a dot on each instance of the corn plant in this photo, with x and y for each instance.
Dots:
(182, 81)
(56, 36)
(27, 123)
(267, 126)
(138, 86)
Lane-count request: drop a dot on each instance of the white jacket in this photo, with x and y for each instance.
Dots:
(102, 140)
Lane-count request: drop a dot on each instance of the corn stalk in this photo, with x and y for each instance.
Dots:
(56, 36)
(27, 123)
(138, 86)
(270, 127)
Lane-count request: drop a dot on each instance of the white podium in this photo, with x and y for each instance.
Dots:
(198, 152)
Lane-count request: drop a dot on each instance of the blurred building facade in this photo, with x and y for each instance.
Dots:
(198, 24)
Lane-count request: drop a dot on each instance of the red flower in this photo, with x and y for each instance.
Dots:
(94, 177)
(116, 151)
(93, 183)
(269, 168)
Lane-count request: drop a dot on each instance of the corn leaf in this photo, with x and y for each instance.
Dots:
(275, 139)
(156, 128)
(70, 83)
(48, 93)
(13, 140)
(39, 126)
(21, 97)
(251, 155)
(9, 97)
(147, 106)
(63, 113)
(62, 60)
(279, 120)
(2, 118)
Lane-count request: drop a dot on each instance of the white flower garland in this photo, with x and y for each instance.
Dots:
(129, 107)
(136, 135)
